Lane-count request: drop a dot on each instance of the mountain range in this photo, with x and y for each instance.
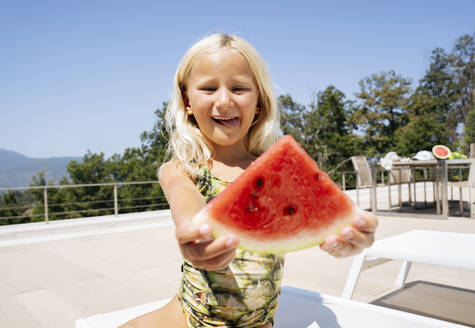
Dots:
(17, 170)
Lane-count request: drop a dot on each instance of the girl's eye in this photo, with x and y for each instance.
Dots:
(208, 89)
(239, 89)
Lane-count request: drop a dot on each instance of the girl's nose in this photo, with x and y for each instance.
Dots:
(223, 99)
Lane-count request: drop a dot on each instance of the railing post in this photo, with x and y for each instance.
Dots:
(443, 178)
(373, 200)
(344, 183)
(116, 205)
(45, 197)
(460, 191)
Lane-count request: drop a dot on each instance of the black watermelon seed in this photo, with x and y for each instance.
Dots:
(289, 210)
(259, 182)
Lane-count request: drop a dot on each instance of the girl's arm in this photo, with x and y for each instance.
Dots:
(195, 242)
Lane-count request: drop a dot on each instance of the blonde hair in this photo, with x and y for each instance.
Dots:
(187, 144)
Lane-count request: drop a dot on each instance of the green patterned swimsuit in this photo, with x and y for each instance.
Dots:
(245, 294)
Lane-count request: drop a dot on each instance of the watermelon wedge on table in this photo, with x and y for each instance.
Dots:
(441, 151)
(282, 202)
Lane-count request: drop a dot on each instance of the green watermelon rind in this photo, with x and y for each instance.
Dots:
(438, 156)
(304, 239)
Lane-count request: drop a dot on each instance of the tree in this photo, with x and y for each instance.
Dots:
(39, 180)
(155, 142)
(444, 96)
(322, 128)
(152, 154)
(469, 130)
(416, 135)
(382, 110)
(424, 128)
(438, 91)
(15, 206)
(463, 62)
(328, 134)
(292, 118)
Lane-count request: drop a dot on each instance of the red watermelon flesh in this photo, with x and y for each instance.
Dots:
(281, 202)
(441, 151)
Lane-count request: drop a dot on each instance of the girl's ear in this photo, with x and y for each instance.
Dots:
(258, 108)
(186, 101)
(256, 114)
(187, 106)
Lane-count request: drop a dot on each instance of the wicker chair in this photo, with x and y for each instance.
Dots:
(363, 175)
(399, 176)
(469, 184)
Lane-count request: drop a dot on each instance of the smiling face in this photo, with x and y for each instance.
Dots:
(222, 96)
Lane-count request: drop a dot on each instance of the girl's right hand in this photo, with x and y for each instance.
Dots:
(204, 252)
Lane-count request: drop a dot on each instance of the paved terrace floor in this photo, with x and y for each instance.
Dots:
(53, 274)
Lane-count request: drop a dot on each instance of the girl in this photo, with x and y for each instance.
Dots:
(221, 116)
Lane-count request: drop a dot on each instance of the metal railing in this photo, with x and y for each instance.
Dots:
(40, 208)
(113, 205)
(44, 210)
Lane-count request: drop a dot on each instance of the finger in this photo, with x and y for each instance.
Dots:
(348, 249)
(357, 238)
(186, 232)
(335, 253)
(331, 242)
(337, 246)
(211, 249)
(338, 251)
(218, 262)
(366, 222)
(224, 260)
(344, 248)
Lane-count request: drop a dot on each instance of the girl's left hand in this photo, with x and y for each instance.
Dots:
(352, 240)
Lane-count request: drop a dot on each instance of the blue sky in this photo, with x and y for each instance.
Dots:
(88, 75)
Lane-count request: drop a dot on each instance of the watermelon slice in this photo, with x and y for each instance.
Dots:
(282, 202)
(441, 151)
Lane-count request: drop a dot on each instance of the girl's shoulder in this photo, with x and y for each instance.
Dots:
(175, 169)
(169, 167)
(171, 171)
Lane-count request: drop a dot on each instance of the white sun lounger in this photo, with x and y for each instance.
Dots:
(420, 246)
(300, 308)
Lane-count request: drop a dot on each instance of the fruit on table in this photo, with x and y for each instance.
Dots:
(457, 155)
(282, 202)
(441, 151)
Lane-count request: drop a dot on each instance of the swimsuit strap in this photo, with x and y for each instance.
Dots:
(209, 185)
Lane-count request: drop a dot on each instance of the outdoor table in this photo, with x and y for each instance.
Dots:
(440, 168)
